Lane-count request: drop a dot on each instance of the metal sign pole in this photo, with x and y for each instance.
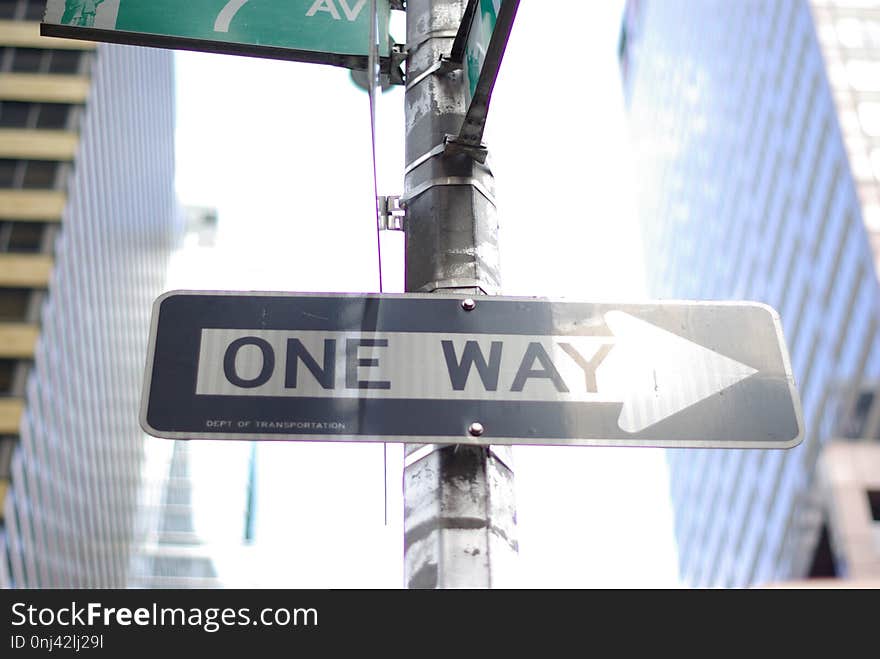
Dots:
(459, 512)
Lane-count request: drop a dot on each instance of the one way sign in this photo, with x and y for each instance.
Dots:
(441, 369)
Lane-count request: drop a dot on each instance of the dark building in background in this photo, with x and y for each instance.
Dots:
(748, 192)
(849, 481)
(88, 219)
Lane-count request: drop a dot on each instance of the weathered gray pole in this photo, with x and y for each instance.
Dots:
(459, 512)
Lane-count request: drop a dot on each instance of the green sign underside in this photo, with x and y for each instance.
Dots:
(340, 27)
(479, 36)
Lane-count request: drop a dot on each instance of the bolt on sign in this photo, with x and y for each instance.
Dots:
(432, 368)
(321, 31)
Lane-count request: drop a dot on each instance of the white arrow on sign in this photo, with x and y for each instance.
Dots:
(657, 373)
(652, 372)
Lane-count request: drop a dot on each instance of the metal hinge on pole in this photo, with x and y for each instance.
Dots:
(391, 213)
(398, 57)
(477, 150)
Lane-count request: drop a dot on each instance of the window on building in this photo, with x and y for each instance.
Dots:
(34, 10)
(7, 173)
(823, 565)
(184, 566)
(874, 502)
(40, 174)
(853, 425)
(869, 118)
(864, 75)
(857, 148)
(7, 446)
(27, 60)
(177, 521)
(875, 162)
(827, 35)
(849, 119)
(14, 304)
(871, 213)
(872, 29)
(857, 4)
(849, 33)
(24, 236)
(7, 376)
(7, 8)
(64, 61)
(52, 116)
(14, 115)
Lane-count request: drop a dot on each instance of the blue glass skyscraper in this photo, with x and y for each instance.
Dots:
(748, 193)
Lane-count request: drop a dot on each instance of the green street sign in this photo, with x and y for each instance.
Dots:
(322, 31)
(480, 47)
(482, 27)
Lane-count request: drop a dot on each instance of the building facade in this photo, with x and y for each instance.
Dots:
(748, 193)
(849, 34)
(88, 219)
(170, 552)
(850, 487)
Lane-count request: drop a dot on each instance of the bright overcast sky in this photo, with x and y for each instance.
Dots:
(282, 150)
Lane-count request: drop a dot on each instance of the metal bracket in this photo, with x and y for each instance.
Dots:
(442, 66)
(451, 146)
(455, 144)
(422, 159)
(456, 285)
(502, 453)
(433, 34)
(398, 4)
(391, 214)
(449, 180)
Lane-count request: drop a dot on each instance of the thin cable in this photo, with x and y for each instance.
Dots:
(372, 86)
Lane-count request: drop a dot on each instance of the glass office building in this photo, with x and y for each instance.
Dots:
(849, 33)
(171, 554)
(88, 219)
(748, 192)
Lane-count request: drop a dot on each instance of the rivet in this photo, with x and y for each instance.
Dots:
(469, 305)
(476, 429)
